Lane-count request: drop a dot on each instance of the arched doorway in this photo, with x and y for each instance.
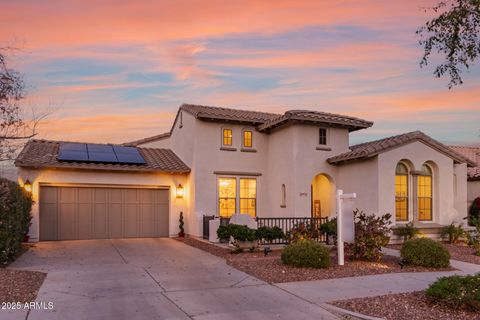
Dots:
(322, 196)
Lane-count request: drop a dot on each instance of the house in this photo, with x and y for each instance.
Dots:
(473, 173)
(223, 161)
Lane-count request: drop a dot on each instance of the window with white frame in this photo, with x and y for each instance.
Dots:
(237, 195)
(425, 194)
(401, 192)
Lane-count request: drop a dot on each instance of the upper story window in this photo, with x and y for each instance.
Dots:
(322, 136)
(227, 137)
(247, 138)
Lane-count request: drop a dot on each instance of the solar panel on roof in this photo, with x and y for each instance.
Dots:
(102, 157)
(67, 155)
(130, 158)
(72, 146)
(99, 148)
(99, 153)
(125, 150)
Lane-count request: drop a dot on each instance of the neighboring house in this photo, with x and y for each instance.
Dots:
(473, 184)
(228, 161)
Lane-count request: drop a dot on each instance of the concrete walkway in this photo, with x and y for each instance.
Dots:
(151, 279)
(322, 291)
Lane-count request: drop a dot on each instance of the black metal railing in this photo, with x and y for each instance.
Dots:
(287, 224)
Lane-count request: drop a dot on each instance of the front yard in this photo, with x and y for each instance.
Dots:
(272, 270)
(405, 306)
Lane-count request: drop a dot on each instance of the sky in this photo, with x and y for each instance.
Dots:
(115, 71)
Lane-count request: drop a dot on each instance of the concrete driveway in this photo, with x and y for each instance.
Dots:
(151, 279)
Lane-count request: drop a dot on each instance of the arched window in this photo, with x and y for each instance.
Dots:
(401, 192)
(425, 194)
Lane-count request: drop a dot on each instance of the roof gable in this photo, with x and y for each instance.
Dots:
(373, 148)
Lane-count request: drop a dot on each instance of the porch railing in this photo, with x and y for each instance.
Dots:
(286, 224)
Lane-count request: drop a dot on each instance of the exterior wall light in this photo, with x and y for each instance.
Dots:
(180, 191)
(27, 186)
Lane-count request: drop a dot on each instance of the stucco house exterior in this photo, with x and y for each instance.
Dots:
(220, 161)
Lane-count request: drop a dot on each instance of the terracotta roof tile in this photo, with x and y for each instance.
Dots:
(373, 148)
(147, 139)
(472, 153)
(316, 117)
(218, 113)
(43, 154)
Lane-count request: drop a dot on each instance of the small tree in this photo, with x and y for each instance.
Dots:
(371, 234)
(180, 225)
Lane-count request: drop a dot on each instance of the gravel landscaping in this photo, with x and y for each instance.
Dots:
(405, 306)
(19, 285)
(460, 252)
(272, 270)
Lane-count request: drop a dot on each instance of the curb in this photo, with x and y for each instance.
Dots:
(347, 314)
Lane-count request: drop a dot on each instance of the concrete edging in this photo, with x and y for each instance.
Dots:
(348, 313)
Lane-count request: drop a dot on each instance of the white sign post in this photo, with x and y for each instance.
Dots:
(340, 226)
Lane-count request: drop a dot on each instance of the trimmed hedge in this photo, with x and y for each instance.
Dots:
(425, 252)
(15, 216)
(457, 292)
(306, 254)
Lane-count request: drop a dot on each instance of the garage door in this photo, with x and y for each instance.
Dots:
(76, 213)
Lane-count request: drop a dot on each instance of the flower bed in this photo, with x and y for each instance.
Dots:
(405, 306)
(272, 270)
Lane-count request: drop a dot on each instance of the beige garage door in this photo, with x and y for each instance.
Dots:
(76, 213)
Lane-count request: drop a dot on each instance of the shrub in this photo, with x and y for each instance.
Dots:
(15, 217)
(302, 231)
(425, 252)
(269, 234)
(457, 291)
(223, 233)
(473, 238)
(329, 228)
(452, 232)
(371, 234)
(237, 232)
(474, 214)
(408, 231)
(306, 254)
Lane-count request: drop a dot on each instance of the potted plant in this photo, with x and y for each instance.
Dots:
(329, 228)
(181, 234)
(268, 234)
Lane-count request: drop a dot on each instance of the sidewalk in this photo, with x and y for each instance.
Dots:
(323, 291)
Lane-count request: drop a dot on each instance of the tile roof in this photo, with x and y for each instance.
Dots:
(227, 114)
(472, 153)
(316, 117)
(147, 139)
(373, 148)
(264, 121)
(43, 154)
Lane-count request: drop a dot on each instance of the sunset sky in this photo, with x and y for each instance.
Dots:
(115, 70)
